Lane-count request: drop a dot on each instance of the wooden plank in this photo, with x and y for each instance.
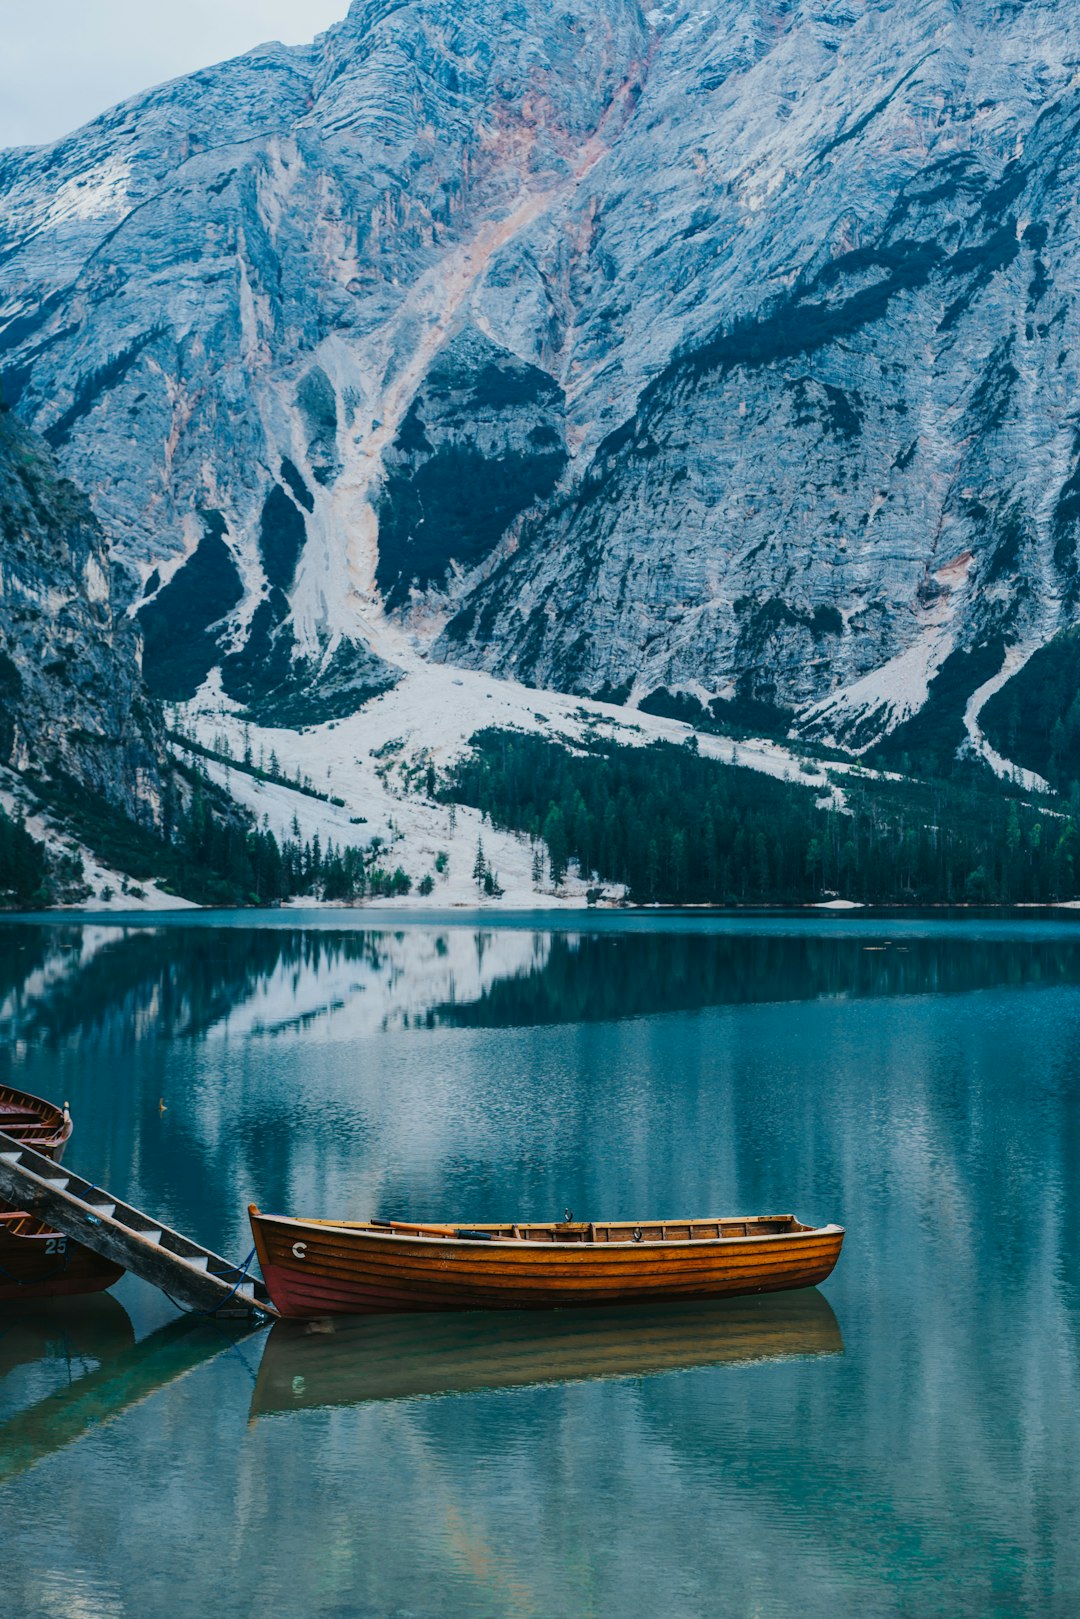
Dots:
(164, 1258)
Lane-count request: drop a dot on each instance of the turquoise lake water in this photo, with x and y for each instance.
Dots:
(903, 1442)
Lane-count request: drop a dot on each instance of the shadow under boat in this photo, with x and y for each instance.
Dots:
(345, 1360)
(92, 1328)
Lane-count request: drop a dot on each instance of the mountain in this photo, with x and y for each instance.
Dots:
(95, 806)
(718, 359)
(72, 703)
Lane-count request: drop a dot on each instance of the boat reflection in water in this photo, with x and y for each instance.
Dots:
(71, 1330)
(348, 1360)
(124, 1374)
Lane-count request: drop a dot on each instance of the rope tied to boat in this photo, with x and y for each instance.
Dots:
(242, 1275)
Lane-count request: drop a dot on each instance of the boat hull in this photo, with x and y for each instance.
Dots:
(39, 1263)
(313, 1269)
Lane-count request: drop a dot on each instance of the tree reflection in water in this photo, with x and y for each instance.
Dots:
(63, 981)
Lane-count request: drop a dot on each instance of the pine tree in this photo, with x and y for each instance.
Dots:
(557, 844)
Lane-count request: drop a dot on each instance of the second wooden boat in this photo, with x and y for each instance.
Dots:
(33, 1122)
(324, 1267)
(37, 1262)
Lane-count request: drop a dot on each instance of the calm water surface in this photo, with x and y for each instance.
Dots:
(904, 1442)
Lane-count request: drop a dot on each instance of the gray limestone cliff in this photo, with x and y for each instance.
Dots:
(729, 353)
(72, 702)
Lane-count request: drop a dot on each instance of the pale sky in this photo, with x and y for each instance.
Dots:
(64, 61)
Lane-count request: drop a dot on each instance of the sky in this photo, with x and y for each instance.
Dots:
(64, 61)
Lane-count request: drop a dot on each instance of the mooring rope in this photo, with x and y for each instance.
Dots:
(242, 1276)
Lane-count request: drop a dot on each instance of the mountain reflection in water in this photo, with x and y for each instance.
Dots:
(58, 982)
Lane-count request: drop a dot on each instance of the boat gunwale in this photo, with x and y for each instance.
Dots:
(42, 1231)
(56, 1120)
(360, 1229)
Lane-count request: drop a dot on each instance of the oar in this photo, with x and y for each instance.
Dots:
(413, 1229)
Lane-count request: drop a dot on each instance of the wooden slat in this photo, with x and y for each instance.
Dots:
(125, 1235)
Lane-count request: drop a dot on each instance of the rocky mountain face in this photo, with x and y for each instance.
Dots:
(71, 695)
(715, 356)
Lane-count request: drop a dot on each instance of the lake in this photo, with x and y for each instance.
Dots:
(903, 1442)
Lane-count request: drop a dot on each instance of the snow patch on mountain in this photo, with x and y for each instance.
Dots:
(883, 698)
(375, 763)
(1029, 780)
(100, 193)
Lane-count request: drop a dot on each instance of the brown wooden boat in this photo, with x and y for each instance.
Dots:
(35, 1123)
(343, 1361)
(327, 1267)
(37, 1262)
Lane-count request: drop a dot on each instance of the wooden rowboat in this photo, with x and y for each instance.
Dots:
(35, 1123)
(325, 1267)
(343, 1362)
(37, 1262)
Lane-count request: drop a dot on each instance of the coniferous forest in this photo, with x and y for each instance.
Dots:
(672, 827)
(22, 864)
(205, 850)
(679, 829)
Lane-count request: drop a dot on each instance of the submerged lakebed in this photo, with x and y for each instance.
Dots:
(903, 1441)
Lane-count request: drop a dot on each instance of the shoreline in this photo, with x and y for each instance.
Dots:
(385, 913)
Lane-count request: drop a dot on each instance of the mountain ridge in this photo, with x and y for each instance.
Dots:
(656, 355)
